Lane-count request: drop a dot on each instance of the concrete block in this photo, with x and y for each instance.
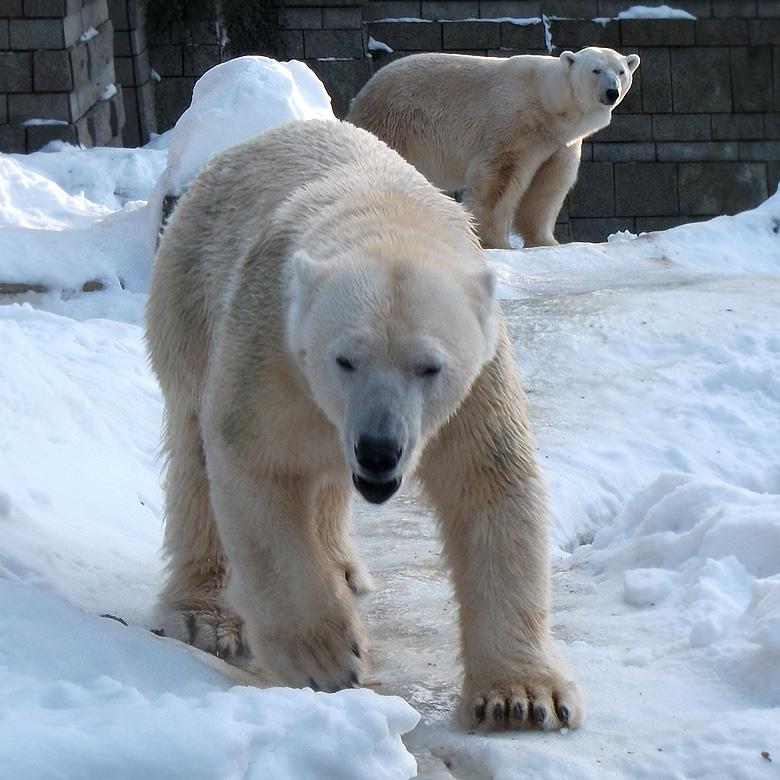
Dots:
(773, 177)
(391, 9)
(5, 38)
(596, 230)
(79, 65)
(657, 32)
(654, 224)
(645, 189)
(16, 71)
(40, 135)
(769, 9)
(759, 151)
(682, 127)
(471, 36)
(319, 44)
(710, 189)
(574, 34)
(732, 9)
(763, 32)
(300, 18)
(727, 127)
(118, 13)
(593, 194)
(704, 152)
(94, 13)
(45, 105)
(522, 38)
(448, 10)
(342, 19)
(407, 36)
(12, 139)
(751, 78)
(38, 34)
(655, 75)
(721, 32)
(99, 123)
(44, 8)
(199, 59)
(625, 152)
(167, 60)
(11, 8)
(517, 9)
(52, 71)
(3, 110)
(626, 127)
(701, 80)
(292, 44)
(172, 98)
(772, 126)
(342, 79)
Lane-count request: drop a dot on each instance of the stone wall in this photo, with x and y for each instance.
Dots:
(57, 78)
(697, 136)
(133, 70)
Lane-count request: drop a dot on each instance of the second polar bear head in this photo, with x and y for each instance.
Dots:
(389, 349)
(600, 77)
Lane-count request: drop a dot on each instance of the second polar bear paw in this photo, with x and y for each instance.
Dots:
(543, 700)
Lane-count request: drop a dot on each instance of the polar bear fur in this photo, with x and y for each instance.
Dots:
(320, 317)
(506, 132)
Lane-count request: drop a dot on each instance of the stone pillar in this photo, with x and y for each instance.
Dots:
(57, 79)
(133, 70)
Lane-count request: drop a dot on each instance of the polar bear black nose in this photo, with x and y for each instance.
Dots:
(612, 95)
(377, 455)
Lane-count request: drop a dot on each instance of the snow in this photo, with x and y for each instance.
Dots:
(652, 367)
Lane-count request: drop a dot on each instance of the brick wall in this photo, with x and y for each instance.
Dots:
(56, 63)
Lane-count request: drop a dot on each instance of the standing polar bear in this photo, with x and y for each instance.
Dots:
(320, 317)
(507, 132)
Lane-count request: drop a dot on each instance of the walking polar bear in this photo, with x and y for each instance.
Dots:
(507, 132)
(320, 317)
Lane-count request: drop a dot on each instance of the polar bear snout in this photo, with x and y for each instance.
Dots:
(610, 96)
(377, 458)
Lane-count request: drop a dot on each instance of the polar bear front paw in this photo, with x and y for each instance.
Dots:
(211, 630)
(545, 701)
(325, 660)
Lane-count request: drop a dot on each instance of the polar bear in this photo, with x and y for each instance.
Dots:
(321, 317)
(507, 132)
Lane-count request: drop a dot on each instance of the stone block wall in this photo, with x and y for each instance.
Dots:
(57, 79)
(697, 136)
(133, 70)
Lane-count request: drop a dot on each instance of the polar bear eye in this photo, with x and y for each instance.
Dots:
(345, 363)
(597, 71)
(429, 371)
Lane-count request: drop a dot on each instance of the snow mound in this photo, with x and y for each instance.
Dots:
(236, 100)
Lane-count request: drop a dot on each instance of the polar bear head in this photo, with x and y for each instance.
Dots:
(600, 78)
(388, 350)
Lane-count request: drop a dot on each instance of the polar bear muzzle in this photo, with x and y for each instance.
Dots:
(377, 457)
(376, 492)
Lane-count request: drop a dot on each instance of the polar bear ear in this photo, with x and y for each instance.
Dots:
(485, 283)
(633, 62)
(305, 271)
(568, 57)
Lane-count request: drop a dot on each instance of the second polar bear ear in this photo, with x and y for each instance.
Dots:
(632, 61)
(568, 57)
